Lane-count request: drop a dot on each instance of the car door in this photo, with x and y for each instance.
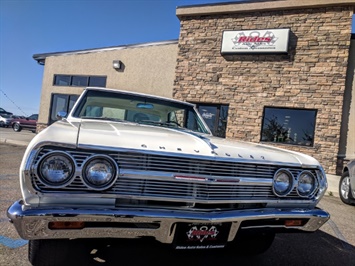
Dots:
(352, 176)
(30, 122)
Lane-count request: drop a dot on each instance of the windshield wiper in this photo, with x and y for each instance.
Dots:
(158, 123)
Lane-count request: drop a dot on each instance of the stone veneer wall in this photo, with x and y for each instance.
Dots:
(311, 76)
(40, 127)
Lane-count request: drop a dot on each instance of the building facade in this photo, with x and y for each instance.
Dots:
(148, 68)
(227, 61)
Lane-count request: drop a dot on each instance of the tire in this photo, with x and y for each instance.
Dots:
(345, 189)
(252, 244)
(59, 252)
(16, 127)
(2, 124)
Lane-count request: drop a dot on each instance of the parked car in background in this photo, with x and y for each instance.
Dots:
(2, 111)
(28, 123)
(18, 116)
(5, 120)
(347, 184)
(131, 165)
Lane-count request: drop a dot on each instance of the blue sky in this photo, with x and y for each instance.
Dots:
(30, 27)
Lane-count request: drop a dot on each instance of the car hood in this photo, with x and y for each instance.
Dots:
(132, 136)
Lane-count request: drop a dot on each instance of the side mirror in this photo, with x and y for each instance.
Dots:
(61, 115)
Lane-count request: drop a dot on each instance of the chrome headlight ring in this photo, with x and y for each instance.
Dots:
(307, 184)
(56, 169)
(99, 172)
(283, 182)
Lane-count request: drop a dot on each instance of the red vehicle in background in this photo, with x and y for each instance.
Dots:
(28, 123)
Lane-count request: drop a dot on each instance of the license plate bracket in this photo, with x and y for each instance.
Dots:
(201, 235)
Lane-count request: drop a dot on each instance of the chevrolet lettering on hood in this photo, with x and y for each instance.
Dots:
(130, 165)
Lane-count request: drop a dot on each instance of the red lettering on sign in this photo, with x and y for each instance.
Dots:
(254, 39)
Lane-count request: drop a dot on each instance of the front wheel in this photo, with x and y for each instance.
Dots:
(16, 127)
(57, 252)
(345, 189)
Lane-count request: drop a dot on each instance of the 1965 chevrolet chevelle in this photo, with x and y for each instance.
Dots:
(129, 165)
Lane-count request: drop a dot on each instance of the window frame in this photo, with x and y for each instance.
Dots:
(290, 142)
(217, 118)
(67, 103)
(72, 77)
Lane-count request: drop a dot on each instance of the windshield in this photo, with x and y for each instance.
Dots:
(103, 105)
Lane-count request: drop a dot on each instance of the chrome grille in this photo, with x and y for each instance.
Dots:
(147, 162)
(155, 188)
(192, 191)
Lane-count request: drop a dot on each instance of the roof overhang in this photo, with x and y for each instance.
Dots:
(256, 5)
(41, 58)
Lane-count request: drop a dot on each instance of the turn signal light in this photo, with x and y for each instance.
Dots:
(293, 222)
(66, 225)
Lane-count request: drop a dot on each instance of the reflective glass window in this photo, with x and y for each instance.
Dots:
(80, 81)
(61, 102)
(215, 116)
(62, 80)
(97, 82)
(289, 126)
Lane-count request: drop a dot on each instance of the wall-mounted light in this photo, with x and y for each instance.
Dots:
(117, 64)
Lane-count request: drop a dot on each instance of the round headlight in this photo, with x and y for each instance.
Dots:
(99, 172)
(306, 184)
(283, 182)
(56, 169)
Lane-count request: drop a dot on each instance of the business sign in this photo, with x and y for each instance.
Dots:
(255, 41)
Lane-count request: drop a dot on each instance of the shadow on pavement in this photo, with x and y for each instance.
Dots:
(316, 248)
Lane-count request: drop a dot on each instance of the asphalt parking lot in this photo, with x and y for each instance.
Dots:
(334, 244)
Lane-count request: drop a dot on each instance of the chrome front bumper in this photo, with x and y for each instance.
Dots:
(160, 224)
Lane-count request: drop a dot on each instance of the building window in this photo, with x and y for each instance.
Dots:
(62, 80)
(79, 81)
(97, 81)
(215, 116)
(61, 102)
(289, 126)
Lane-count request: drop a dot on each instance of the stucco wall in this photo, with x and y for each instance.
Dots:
(311, 76)
(147, 68)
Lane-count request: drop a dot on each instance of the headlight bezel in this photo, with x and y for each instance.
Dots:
(290, 186)
(44, 180)
(314, 187)
(107, 184)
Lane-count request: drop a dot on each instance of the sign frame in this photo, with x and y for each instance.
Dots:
(265, 41)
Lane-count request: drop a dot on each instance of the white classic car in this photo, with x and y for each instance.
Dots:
(130, 165)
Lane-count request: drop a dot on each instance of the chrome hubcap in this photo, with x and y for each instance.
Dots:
(344, 189)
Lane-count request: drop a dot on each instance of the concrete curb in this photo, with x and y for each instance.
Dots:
(14, 142)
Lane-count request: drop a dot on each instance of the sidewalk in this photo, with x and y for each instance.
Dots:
(333, 180)
(333, 185)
